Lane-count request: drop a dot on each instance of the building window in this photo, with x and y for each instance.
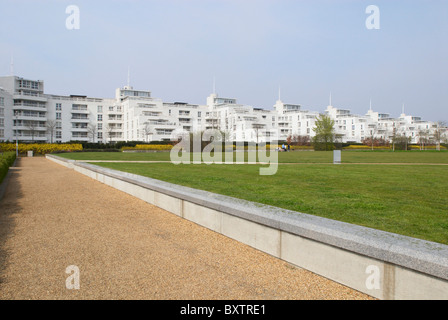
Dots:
(58, 116)
(58, 135)
(199, 114)
(2, 122)
(100, 135)
(100, 117)
(100, 126)
(100, 109)
(2, 112)
(58, 106)
(2, 101)
(2, 133)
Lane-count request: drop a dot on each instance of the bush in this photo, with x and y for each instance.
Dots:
(40, 148)
(157, 147)
(6, 160)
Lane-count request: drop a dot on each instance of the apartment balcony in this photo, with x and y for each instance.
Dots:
(28, 136)
(115, 120)
(84, 120)
(25, 127)
(163, 124)
(80, 111)
(31, 117)
(24, 106)
(115, 129)
(33, 96)
(80, 138)
(79, 129)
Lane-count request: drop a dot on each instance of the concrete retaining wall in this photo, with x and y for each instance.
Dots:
(381, 264)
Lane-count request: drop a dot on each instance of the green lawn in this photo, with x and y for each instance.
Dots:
(286, 157)
(405, 199)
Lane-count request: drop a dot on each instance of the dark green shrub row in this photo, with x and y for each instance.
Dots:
(97, 146)
(6, 160)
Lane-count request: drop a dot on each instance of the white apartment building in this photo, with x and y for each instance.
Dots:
(28, 114)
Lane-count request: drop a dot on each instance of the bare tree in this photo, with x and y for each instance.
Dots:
(423, 138)
(51, 128)
(394, 137)
(257, 127)
(109, 130)
(92, 130)
(32, 128)
(373, 130)
(147, 131)
(440, 128)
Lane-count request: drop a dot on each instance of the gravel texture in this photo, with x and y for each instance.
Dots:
(52, 217)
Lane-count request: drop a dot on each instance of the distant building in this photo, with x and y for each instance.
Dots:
(28, 114)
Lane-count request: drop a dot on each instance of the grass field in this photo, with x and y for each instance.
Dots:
(406, 199)
(286, 157)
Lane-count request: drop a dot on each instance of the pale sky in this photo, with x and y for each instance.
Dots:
(251, 47)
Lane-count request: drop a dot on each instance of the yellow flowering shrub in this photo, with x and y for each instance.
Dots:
(364, 147)
(41, 148)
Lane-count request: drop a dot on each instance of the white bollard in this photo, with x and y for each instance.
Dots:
(336, 156)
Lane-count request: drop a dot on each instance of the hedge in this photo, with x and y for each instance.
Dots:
(6, 160)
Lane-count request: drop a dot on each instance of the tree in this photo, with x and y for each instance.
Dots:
(325, 135)
(32, 128)
(373, 130)
(92, 130)
(109, 130)
(147, 131)
(51, 128)
(402, 142)
(440, 128)
(393, 136)
(423, 138)
(298, 140)
(257, 127)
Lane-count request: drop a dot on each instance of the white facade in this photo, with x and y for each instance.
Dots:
(28, 114)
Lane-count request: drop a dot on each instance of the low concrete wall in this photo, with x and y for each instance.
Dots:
(381, 264)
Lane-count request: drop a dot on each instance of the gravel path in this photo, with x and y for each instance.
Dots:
(52, 217)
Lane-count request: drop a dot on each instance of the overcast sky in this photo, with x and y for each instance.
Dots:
(250, 47)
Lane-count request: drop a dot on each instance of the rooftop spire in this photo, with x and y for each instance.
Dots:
(11, 67)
